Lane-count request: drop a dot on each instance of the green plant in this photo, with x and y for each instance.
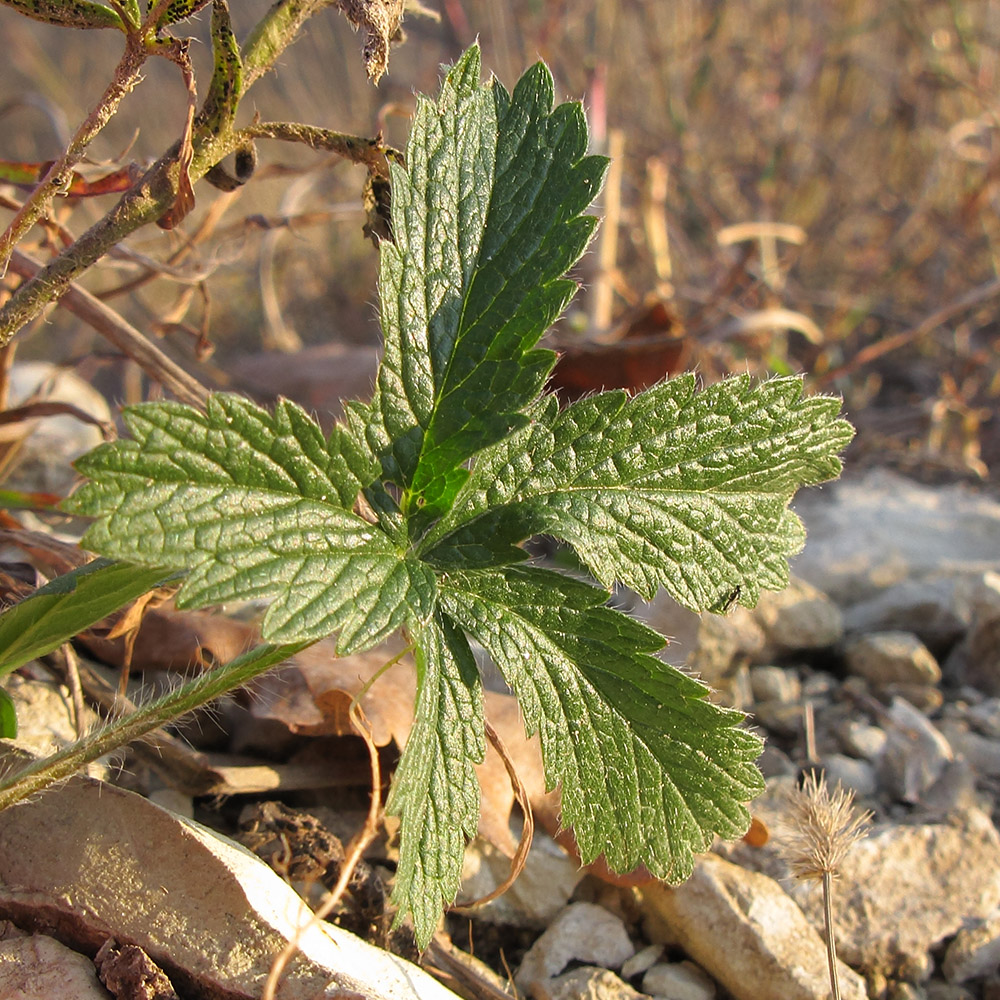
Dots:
(410, 514)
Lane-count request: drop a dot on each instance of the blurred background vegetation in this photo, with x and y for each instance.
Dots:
(802, 186)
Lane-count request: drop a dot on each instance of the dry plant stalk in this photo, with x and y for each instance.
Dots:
(821, 827)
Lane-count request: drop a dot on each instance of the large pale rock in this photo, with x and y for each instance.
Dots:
(40, 968)
(746, 932)
(95, 861)
(904, 889)
(583, 932)
(873, 532)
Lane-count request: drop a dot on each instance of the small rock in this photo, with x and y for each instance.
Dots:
(935, 610)
(774, 762)
(976, 660)
(582, 932)
(975, 951)
(982, 752)
(678, 981)
(40, 968)
(857, 775)
(779, 718)
(588, 983)
(798, 617)
(904, 991)
(985, 717)
(642, 960)
(916, 753)
(921, 696)
(904, 889)
(742, 928)
(537, 896)
(859, 739)
(947, 991)
(775, 684)
(891, 658)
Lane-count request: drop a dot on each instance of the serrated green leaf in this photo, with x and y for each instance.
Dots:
(671, 488)
(254, 505)
(8, 716)
(649, 768)
(435, 791)
(67, 605)
(487, 220)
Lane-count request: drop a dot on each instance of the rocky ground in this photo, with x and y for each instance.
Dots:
(880, 665)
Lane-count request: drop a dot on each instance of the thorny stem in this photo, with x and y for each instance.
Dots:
(121, 732)
(59, 175)
(831, 941)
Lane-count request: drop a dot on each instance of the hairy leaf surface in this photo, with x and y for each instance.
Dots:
(670, 488)
(436, 792)
(633, 742)
(255, 505)
(486, 220)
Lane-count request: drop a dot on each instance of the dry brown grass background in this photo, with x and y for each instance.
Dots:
(871, 127)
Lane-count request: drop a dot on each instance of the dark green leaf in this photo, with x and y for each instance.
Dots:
(649, 768)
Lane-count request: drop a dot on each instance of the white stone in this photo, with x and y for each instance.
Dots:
(588, 983)
(40, 968)
(775, 684)
(799, 617)
(745, 931)
(642, 960)
(916, 753)
(903, 890)
(678, 981)
(974, 951)
(583, 932)
(100, 861)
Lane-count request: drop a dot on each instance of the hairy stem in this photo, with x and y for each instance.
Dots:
(191, 695)
(153, 195)
(831, 942)
(59, 175)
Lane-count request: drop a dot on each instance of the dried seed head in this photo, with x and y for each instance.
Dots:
(821, 828)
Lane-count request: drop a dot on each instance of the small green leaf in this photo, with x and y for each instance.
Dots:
(671, 488)
(8, 716)
(67, 605)
(68, 13)
(435, 791)
(486, 219)
(649, 769)
(254, 505)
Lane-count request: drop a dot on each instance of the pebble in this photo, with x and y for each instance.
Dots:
(642, 960)
(985, 717)
(935, 610)
(857, 775)
(916, 753)
(582, 932)
(974, 951)
(859, 739)
(891, 658)
(588, 982)
(903, 890)
(775, 684)
(798, 617)
(678, 981)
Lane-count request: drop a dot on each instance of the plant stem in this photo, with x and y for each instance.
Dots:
(191, 695)
(831, 942)
(59, 175)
